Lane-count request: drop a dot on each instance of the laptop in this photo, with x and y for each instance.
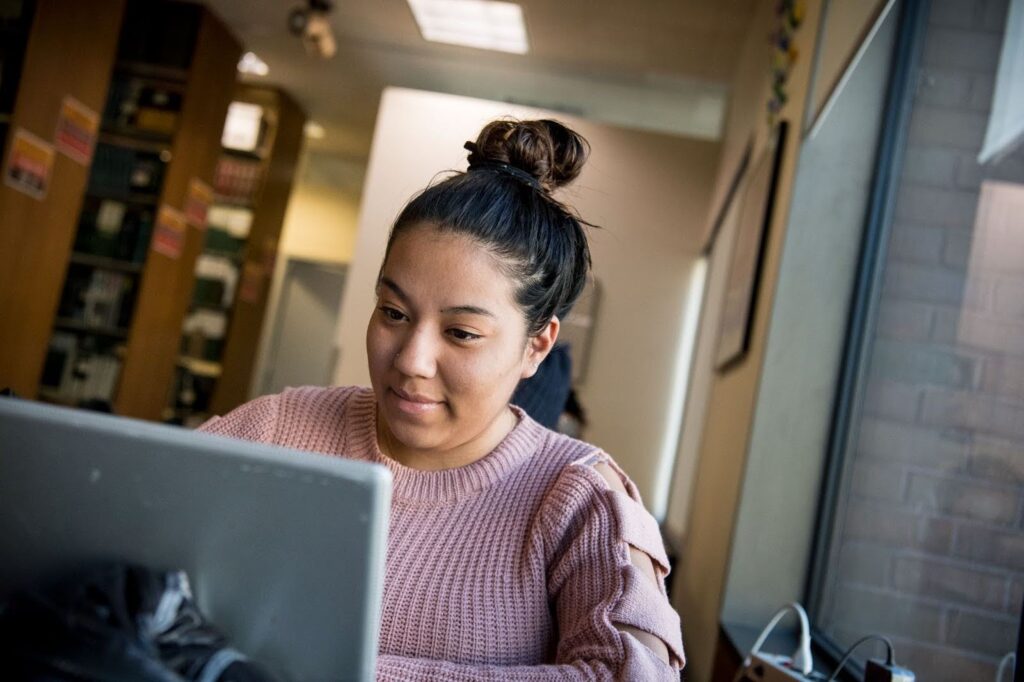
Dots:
(284, 549)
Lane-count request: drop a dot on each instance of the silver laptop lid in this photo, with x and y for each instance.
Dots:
(284, 549)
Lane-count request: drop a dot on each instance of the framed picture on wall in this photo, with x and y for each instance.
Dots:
(757, 199)
(723, 212)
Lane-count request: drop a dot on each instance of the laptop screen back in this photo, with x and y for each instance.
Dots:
(284, 549)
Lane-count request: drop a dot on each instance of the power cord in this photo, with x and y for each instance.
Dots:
(801, 658)
(1009, 660)
(800, 666)
(889, 658)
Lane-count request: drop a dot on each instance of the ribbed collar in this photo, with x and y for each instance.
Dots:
(445, 485)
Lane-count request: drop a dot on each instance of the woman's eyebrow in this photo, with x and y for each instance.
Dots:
(395, 289)
(455, 309)
(468, 310)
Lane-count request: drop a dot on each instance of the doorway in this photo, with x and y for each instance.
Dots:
(302, 348)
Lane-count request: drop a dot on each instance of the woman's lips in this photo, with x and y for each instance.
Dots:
(414, 403)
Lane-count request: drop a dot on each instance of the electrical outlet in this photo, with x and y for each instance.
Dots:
(773, 668)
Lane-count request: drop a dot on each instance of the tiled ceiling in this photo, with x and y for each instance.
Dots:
(653, 64)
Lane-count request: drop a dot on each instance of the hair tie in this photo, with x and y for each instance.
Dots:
(500, 167)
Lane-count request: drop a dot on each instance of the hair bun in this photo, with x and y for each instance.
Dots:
(547, 150)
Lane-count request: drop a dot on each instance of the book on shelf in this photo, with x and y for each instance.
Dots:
(216, 280)
(122, 172)
(75, 372)
(237, 180)
(103, 298)
(140, 105)
(203, 334)
(96, 298)
(114, 229)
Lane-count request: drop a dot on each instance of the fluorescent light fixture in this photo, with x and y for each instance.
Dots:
(314, 130)
(250, 63)
(484, 24)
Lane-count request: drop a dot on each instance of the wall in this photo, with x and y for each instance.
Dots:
(789, 440)
(749, 92)
(324, 209)
(712, 274)
(320, 225)
(647, 191)
(731, 397)
(844, 27)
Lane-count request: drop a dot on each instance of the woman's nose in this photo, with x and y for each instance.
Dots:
(417, 356)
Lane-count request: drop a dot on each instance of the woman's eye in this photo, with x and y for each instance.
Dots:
(392, 314)
(463, 335)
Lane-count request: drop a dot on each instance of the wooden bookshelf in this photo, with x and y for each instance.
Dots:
(232, 388)
(162, 107)
(276, 157)
(36, 235)
(165, 291)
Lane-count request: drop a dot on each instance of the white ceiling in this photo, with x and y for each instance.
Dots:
(660, 65)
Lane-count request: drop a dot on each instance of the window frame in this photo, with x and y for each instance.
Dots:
(910, 34)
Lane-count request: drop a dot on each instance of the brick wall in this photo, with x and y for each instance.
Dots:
(930, 547)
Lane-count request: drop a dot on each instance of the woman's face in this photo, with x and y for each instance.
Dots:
(447, 345)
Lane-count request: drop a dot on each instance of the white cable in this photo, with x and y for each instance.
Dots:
(801, 658)
(1011, 659)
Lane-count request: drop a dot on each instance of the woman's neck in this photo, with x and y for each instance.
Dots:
(437, 459)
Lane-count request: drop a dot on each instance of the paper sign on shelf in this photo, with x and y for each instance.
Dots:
(29, 164)
(77, 127)
(169, 234)
(197, 203)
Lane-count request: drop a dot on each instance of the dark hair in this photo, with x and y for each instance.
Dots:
(504, 202)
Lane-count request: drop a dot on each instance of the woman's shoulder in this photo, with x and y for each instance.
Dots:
(553, 453)
(294, 415)
(591, 484)
(569, 461)
(331, 400)
(584, 470)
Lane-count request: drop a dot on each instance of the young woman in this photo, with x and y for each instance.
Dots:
(513, 552)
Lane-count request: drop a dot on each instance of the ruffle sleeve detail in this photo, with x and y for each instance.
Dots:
(593, 581)
(639, 529)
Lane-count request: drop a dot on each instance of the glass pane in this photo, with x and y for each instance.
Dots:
(928, 545)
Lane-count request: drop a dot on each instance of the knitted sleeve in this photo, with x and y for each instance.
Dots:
(594, 588)
(256, 420)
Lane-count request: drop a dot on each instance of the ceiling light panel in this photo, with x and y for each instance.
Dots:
(484, 24)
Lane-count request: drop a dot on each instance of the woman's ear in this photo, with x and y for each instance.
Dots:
(538, 347)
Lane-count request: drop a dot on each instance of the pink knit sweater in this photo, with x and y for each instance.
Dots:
(515, 567)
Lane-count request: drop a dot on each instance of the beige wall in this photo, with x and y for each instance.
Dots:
(701, 376)
(647, 191)
(319, 225)
(731, 397)
(323, 210)
(843, 29)
(700, 579)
